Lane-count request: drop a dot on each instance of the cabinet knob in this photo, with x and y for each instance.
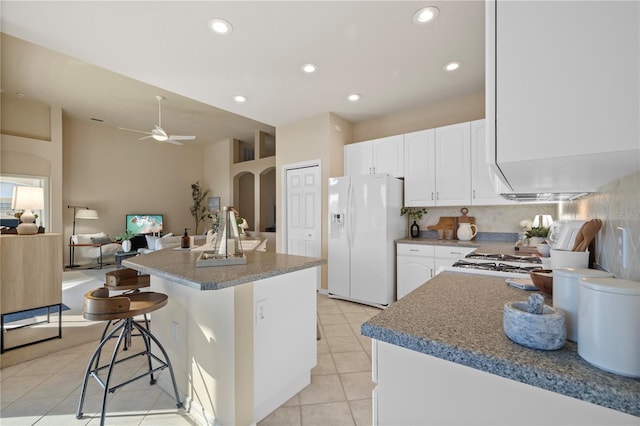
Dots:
(432, 196)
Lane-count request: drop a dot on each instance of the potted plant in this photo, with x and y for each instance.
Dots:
(536, 235)
(199, 209)
(125, 238)
(414, 214)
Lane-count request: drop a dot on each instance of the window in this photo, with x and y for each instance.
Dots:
(8, 182)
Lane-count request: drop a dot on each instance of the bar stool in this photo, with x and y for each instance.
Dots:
(98, 306)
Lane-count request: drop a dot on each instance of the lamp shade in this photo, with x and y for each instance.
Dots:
(542, 220)
(87, 214)
(27, 198)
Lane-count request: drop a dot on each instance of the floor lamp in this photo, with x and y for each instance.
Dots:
(79, 212)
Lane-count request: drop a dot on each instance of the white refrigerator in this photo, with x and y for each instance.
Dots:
(364, 221)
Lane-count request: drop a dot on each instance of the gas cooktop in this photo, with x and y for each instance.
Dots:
(503, 265)
(504, 257)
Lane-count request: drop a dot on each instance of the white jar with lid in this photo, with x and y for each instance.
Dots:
(609, 325)
(566, 294)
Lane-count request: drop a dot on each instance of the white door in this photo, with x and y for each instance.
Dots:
(453, 165)
(388, 156)
(369, 235)
(358, 159)
(419, 168)
(484, 188)
(303, 211)
(338, 244)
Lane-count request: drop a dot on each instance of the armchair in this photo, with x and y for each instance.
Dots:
(93, 246)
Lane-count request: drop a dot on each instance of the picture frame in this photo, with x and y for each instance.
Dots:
(213, 203)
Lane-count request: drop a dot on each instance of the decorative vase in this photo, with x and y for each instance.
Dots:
(415, 230)
(534, 241)
(126, 246)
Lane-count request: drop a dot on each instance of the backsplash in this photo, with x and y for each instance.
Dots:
(492, 218)
(617, 204)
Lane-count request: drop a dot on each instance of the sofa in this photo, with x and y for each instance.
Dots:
(97, 247)
(154, 243)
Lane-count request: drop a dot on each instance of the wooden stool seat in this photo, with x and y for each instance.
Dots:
(98, 306)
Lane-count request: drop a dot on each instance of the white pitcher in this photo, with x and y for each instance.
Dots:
(465, 233)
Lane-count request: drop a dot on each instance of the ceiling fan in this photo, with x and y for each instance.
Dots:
(158, 132)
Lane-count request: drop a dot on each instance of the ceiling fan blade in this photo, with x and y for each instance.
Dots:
(181, 138)
(173, 141)
(133, 130)
(145, 137)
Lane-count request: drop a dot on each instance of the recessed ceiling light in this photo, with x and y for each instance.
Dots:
(452, 66)
(220, 26)
(240, 99)
(354, 97)
(309, 68)
(426, 14)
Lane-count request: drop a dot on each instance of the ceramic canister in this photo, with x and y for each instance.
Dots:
(609, 324)
(566, 294)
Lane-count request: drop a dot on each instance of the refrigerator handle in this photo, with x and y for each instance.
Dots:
(349, 214)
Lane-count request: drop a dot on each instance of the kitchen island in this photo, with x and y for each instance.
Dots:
(242, 338)
(440, 356)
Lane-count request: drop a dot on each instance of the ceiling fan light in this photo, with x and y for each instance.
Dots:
(160, 138)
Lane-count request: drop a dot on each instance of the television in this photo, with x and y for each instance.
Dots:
(144, 223)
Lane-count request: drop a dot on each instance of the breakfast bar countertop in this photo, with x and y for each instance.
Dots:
(458, 317)
(180, 267)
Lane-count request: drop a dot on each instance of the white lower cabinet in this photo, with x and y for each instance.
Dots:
(418, 263)
(418, 389)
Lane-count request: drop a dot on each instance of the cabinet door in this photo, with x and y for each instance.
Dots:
(413, 271)
(358, 159)
(420, 168)
(565, 121)
(453, 165)
(485, 189)
(388, 155)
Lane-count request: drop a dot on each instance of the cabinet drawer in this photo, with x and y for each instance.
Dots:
(415, 250)
(451, 252)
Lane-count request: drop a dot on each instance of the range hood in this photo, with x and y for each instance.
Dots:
(544, 197)
(557, 132)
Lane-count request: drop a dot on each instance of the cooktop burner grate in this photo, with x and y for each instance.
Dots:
(505, 257)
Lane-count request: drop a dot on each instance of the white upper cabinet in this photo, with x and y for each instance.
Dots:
(485, 187)
(419, 167)
(562, 89)
(453, 165)
(438, 166)
(378, 156)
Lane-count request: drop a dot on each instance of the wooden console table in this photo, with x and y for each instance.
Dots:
(31, 277)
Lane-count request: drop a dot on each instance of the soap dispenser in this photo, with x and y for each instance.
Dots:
(186, 241)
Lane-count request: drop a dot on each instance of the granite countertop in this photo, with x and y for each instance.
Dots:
(458, 317)
(180, 267)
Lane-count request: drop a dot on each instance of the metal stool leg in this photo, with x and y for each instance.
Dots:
(89, 371)
(167, 361)
(123, 334)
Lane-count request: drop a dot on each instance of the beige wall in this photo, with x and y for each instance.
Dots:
(311, 139)
(466, 108)
(217, 170)
(21, 154)
(111, 171)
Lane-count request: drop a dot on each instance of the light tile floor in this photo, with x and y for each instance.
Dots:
(45, 391)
